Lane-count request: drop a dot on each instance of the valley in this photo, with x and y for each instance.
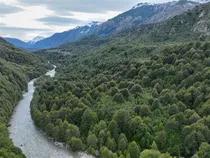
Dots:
(135, 86)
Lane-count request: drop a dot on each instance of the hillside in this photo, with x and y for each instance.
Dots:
(18, 43)
(192, 25)
(143, 92)
(145, 13)
(16, 69)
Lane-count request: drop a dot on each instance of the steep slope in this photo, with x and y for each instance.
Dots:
(16, 68)
(142, 13)
(145, 13)
(35, 40)
(67, 36)
(18, 43)
(192, 25)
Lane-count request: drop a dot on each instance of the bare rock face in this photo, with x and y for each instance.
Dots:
(203, 24)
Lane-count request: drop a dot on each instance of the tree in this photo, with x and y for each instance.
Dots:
(92, 141)
(101, 138)
(122, 117)
(134, 150)
(49, 129)
(114, 90)
(88, 120)
(150, 154)
(145, 111)
(111, 144)
(204, 150)
(114, 129)
(125, 92)
(136, 128)
(122, 144)
(118, 97)
(136, 89)
(76, 144)
(156, 104)
(154, 146)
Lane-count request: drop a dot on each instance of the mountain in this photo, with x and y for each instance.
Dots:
(142, 13)
(145, 13)
(25, 45)
(35, 40)
(18, 43)
(201, 1)
(67, 36)
(191, 25)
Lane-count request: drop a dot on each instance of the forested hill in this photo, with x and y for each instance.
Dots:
(139, 94)
(16, 69)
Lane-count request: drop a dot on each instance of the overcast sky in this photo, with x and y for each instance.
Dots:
(25, 19)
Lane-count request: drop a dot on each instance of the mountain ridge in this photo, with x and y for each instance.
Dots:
(142, 13)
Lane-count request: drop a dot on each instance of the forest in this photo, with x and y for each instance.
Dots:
(142, 93)
(116, 103)
(17, 67)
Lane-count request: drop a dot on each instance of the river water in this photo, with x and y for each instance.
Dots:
(26, 136)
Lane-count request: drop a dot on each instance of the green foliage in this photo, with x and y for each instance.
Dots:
(118, 97)
(92, 141)
(123, 91)
(134, 150)
(76, 144)
(16, 69)
(204, 150)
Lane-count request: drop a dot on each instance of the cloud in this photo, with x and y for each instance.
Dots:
(2, 24)
(56, 20)
(88, 6)
(5, 28)
(21, 33)
(8, 9)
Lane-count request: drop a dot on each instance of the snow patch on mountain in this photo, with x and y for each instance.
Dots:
(94, 23)
(35, 40)
(142, 4)
(201, 1)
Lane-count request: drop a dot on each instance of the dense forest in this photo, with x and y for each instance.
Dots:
(17, 67)
(120, 103)
(144, 92)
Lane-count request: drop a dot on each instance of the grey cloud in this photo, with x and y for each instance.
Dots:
(8, 9)
(5, 28)
(56, 20)
(20, 32)
(90, 6)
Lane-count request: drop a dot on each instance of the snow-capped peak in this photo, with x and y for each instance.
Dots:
(201, 1)
(141, 4)
(36, 39)
(94, 23)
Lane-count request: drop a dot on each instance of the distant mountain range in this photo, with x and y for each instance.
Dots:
(142, 13)
(22, 44)
(35, 40)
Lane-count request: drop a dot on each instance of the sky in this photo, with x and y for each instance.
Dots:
(26, 19)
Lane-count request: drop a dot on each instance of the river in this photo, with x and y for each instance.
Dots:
(26, 136)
